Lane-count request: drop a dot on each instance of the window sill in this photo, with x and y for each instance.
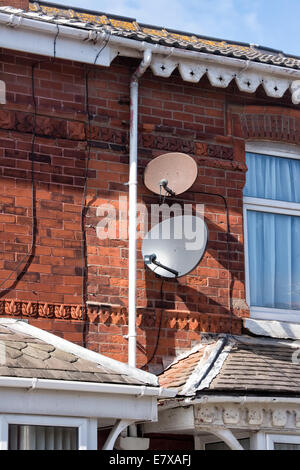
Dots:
(273, 328)
(275, 314)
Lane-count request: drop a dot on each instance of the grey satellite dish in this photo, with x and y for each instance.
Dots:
(170, 174)
(175, 247)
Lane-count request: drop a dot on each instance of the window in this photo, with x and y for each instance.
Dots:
(272, 231)
(18, 432)
(245, 443)
(211, 442)
(26, 437)
(281, 442)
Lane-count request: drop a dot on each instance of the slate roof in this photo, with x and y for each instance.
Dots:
(178, 373)
(24, 355)
(131, 29)
(241, 365)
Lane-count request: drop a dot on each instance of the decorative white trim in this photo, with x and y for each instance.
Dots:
(34, 34)
(119, 426)
(248, 416)
(243, 416)
(221, 73)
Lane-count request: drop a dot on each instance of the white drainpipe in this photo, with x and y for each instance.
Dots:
(132, 265)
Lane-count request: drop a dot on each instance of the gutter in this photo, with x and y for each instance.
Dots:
(33, 384)
(20, 21)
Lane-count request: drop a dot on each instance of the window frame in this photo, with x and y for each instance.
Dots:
(274, 207)
(263, 440)
(281, 439)
(85, 427)
(202, 440)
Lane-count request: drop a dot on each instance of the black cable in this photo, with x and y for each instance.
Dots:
(32, 158)
(83, 212)
(33, 189)
(83, 203)
(102, 48)
(159, 328)
(54, 43)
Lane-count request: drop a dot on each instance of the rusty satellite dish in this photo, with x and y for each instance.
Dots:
(175, 247)
(170, 174)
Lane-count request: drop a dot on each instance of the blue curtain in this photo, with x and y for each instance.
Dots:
(272, 178)
(273, 239)
(274, 260)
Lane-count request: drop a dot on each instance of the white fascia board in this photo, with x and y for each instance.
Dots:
(84, 387)
(39, 37)
(75, 43)
(77, 404)
(60, 343)
(50, 28)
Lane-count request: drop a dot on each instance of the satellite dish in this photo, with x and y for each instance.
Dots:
(175, 247)
(170, 174)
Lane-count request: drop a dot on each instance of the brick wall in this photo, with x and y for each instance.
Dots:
(20, 4)
(52, 154)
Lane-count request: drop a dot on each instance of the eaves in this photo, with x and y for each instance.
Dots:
(101, 46)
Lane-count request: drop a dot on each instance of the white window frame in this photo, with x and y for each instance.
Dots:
(274, 207)
(262, 440)
(87, 428)
(281, 438)
(201, 441)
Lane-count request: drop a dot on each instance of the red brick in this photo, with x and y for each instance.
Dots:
(174, 116)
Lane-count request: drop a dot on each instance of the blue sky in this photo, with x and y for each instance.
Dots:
(272, 23)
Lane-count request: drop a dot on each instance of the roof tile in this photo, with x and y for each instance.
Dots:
(28, 357)
(127, 27)
(250, 365)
